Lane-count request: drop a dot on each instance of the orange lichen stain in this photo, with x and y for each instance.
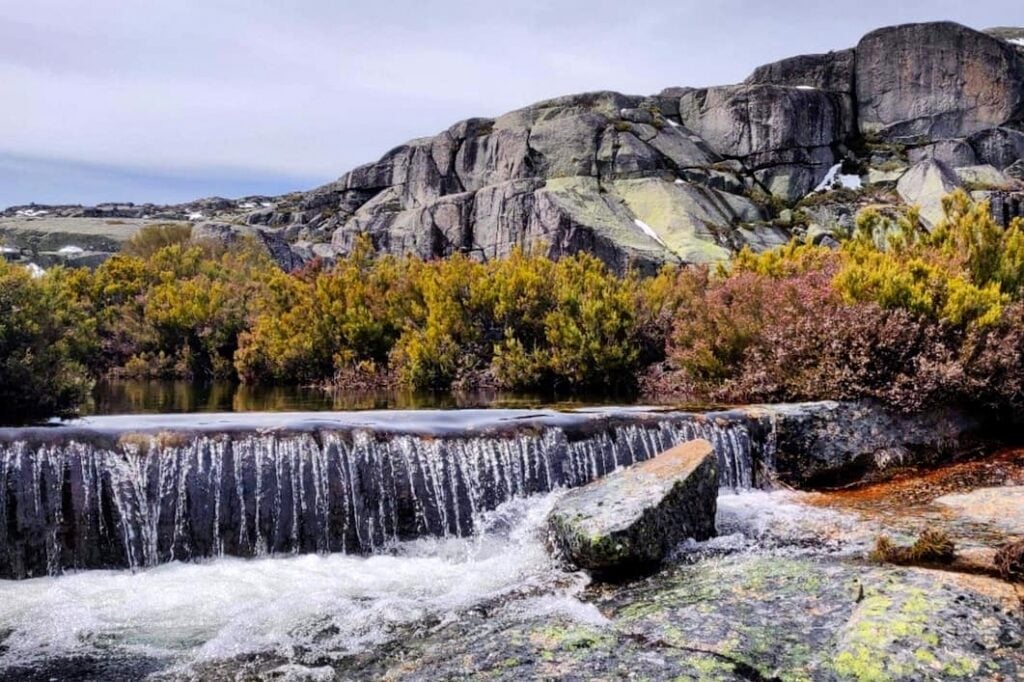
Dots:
(1005, 467)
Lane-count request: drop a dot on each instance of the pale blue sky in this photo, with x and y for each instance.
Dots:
(166, 100)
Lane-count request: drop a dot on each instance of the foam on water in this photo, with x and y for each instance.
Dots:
(338, 604)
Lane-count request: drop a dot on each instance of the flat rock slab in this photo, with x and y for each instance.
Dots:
(1001, 506)
(627, 522)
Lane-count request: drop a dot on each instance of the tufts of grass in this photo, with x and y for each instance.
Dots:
(931, 547)
(1009, 561)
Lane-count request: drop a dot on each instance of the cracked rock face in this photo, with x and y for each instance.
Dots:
(936, 80)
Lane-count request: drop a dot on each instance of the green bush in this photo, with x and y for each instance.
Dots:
(39, 376)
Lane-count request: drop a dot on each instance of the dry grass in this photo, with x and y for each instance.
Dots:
(1009, 561)
(931, 547)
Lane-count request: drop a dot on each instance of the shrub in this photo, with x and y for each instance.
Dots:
(152, 238)
(39, 376)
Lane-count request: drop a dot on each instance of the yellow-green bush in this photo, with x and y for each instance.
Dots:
(39, 338)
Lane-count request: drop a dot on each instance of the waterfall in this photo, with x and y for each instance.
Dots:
(85, 500)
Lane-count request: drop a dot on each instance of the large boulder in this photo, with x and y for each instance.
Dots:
(936, 80)
(627, 522)
(786, 134)
(924, 185)
(829, 71)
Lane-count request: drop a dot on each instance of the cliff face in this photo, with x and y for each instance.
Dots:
(674, 177)
(689, 175)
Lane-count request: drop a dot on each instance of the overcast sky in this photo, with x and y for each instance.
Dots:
(167, 100)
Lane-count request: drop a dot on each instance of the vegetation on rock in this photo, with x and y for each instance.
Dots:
(931, 547)
(1009, 561)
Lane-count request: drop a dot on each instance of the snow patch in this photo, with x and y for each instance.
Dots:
(674, 124)
(649, 231)
(35, 270)
(1017, 41)
(31, 213)
(70, 250)
(196, 216)
(850, 181)
(834, 177)
(829, 178)
(806, 87)
(680, 181)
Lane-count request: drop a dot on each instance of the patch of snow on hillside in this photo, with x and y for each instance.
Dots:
(35, 270)
(1017, 41)
(31, 213)
(196, 216)
(70, 250)
(833, 176)
(674, 124)
(648, 231)
(830, 177)
(850, 181)
(806, 87)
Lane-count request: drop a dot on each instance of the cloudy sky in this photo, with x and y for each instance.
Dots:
(167, 100)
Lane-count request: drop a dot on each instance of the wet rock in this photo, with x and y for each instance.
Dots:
(628, 522)
(925, 185)
(936, 80)
(819, 444)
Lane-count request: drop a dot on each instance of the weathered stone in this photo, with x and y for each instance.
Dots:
(829, 71)
(924, 185)
(999, 147)
(987, 177)
(629, 521)
(829, 442)
(272, 241)
(953, 153)
(785, 134)
(936, 80)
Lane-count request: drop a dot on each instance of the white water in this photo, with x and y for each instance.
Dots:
(316, 607)
(190, 613)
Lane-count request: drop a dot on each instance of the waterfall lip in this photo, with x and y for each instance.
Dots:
(399, 422)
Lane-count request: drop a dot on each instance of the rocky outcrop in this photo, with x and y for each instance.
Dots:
(936, 80)
(784, 135)
(598, 172)
(830, 71)
(628, 521)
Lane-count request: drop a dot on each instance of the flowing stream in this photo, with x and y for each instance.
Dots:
(303, 536)
(119, 492)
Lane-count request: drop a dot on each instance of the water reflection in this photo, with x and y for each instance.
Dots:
(128, 397)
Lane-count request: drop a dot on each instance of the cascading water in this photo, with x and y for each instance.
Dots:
(108, 496)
